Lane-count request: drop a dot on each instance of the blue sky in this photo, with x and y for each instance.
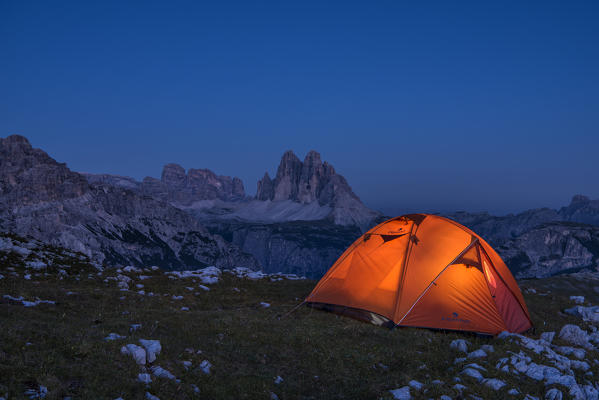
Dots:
(427, 106)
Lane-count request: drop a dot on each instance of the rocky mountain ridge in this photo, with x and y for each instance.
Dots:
(299, 222)
(306, 199)
(43, 199)
(543, 242)
(313, 181)
(301, 191)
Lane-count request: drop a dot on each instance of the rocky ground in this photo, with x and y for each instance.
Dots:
(73, 329)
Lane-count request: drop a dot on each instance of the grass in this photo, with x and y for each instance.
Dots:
(318, 355)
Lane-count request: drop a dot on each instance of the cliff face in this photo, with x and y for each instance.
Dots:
(300, 221)
(305, 198)
(551, 249)
(304, 182)
(581, 209)
(543, 242)
(28, 175)
(44, 199)
(306, 248)
(181, 188)
(313, 181)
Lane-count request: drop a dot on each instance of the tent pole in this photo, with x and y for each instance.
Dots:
(437, 277)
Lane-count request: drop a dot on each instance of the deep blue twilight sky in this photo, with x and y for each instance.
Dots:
(429, 106)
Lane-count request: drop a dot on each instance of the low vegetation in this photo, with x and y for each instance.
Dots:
(237, 327)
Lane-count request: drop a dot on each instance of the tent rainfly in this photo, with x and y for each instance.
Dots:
(425, 271)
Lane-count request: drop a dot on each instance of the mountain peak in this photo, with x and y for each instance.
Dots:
(29, 175)
(173, 174)
(16, 140)
(185, 188)
(579, 198)
(313, 181)
(313, 157)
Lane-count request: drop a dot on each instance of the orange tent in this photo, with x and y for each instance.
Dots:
(424, 271)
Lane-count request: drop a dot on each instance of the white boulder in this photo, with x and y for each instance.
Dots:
(401, 393)
(459, 345)
(152, 347)
(553, 394)
(575, 335)
(205, 367)
(160, 372)
(138, 353)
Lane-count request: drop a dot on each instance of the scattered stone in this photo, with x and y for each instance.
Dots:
(134, 327)
(150, 396)
(26, 303)
(162, 373)
(480, 353)
(460, 345)
(205, 367)
(588, 314)
(493, 383)
(574, 351)
(473, 373)
(487, 348)
(186, 364)
(416, 385)
(113, 336)
(459, 387)
(152, 347)
(138, 353)
(38, 393)
(547, 336)
(401, 393)
(184, 308)
(577, 299)
(278, 380)
(575, 335)
(513, 392)
(144, 378)
(475, 365)
(582, 365)
(265, 305)
(553, 394)
(207, 276)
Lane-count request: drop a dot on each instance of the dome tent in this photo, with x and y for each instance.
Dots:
(425, 271)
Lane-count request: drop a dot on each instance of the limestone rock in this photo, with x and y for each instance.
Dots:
(42, 198)
(313, 181)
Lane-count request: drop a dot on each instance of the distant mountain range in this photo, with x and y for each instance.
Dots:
(543, 242)
(300, 221)
(42, 198)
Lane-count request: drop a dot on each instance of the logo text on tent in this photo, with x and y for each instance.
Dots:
(455, 318)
